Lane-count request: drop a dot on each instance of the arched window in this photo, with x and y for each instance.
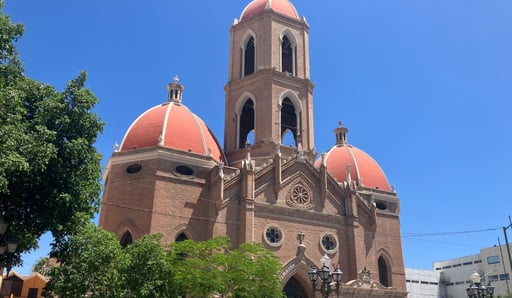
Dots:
(383, 272)
(181, 237)
(288, 121)
(246, 124)
(126, 239)
(249, 54)
(287, 56)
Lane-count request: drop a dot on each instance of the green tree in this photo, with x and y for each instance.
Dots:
(49, 168)
(148, 272)
(91, 262)
(214, 267)
(41, 266)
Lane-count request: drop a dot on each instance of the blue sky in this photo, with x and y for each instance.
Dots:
(424, 86)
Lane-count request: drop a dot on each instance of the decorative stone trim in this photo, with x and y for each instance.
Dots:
(300, 195)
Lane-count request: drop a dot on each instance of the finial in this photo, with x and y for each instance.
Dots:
(349, 178)
(116, 147)
(268, 4)
(300, 237)
(176, 79)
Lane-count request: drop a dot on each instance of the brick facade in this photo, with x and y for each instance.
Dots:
(265, 192)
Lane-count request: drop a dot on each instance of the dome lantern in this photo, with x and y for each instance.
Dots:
(341, 134)
(175, 91)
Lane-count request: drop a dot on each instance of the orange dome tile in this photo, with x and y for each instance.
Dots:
(172, 125)
(363, 168)
(284, 7)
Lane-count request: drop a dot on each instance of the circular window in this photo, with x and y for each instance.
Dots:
(273, 236)
(134, 168)
(328, 242)
(184, 170)
(381, 206)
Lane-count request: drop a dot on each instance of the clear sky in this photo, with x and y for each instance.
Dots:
(424, 86)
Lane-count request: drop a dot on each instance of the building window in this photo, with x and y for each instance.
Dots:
(381, 206)
(288, 121)
(493, 260)
(383, 272)
(181, 237)
(247, 124)
(249, 57)
(329, 242)
(287, 56)
(184, 170)
(504, 276)
(126, 239)
(493, 278)
(273, 236)
(133, 168)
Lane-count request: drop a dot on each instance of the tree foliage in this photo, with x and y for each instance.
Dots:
(148, 271)
(41, 266)
(90, 264)
(93, 264)
(213, 266)
(49, 168)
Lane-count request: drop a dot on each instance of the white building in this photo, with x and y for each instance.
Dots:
(491, 263)
(423, 283)
(451, 278)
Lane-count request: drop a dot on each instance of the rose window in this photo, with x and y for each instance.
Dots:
(299, 196)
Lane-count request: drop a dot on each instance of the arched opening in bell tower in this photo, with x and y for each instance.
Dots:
(287, 55)
(246, 130)
(288, 122)
(249, 57)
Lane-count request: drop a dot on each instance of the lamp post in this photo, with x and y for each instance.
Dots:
(477, 289)
(8, 246)
(326, 278)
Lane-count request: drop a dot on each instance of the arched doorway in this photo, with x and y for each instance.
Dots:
(293, 289)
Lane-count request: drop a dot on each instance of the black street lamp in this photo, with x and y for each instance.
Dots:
(477, 289)
(326, 278)
(8, 246)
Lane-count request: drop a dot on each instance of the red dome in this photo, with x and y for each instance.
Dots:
(284, 7)
(172, 125)
(363, 169)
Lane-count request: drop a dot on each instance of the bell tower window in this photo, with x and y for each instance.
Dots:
(383, 272)
(247, 124)
(288, 122)
(287, 56)
(249, 57)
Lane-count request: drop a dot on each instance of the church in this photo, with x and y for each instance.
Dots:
(172, 176)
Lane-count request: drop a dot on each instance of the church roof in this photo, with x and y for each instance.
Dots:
(284, 7)
(346, 162)
(172, 125)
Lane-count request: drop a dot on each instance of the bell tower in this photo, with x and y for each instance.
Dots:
(269, 95)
